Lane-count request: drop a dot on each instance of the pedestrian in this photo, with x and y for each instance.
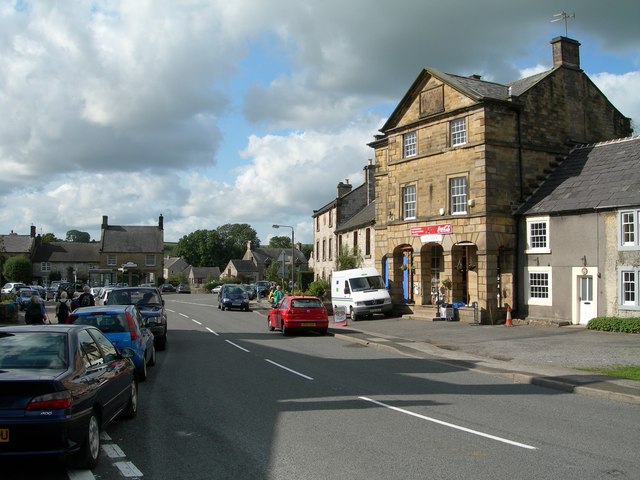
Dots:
(277, 295)
(63, 308)
(35, 313)
(86, 299)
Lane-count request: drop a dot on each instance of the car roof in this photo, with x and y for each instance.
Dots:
(55, 327)
(101, 309)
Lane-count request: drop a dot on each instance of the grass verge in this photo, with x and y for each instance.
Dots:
(630, 372)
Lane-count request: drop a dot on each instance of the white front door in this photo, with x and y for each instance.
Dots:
(587, 305)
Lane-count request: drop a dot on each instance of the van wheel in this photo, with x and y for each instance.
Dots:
(353, 315)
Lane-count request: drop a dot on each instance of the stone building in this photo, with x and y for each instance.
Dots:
(454, 161)
(345, 224)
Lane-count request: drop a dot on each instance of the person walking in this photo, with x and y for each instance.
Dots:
(63, 308)
(35, 313)
(86, 299)
(277, 295)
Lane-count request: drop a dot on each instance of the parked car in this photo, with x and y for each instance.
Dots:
(232, 295)
(263, 286)
(298, 313)
(216, 289)
(250, 290)
(150, 303)
(183, 288)
(125, 327)
(61, 385)
(52, 290)
(23, 297)
(12, 286)
(167, 287)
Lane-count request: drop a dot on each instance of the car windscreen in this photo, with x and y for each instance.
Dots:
(306, 303)
(366, 283)
(33, 350)
(134, 297)
(106, 323)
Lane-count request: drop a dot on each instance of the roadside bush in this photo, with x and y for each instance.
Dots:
(319, 288)
(615, 324)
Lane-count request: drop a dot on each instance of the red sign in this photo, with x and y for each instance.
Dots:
(443, 229)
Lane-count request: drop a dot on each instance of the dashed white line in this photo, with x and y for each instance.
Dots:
(288, 369)
(196, 321)
(113, 451)
(236, 345)
(215, 333)
(128, 469)
(183, 315)
(450, 425)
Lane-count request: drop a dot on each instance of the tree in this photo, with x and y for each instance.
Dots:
(280, 241)
(17, 269)
(78, 236)
(50, 237)
(349, 259)
(235, 237)
(202, 248)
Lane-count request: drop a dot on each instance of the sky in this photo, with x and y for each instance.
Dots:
(212, 112)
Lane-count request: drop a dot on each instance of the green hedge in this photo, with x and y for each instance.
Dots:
(615, 324)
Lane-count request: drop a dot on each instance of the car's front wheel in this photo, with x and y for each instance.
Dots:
(132, 407)
(269, 326)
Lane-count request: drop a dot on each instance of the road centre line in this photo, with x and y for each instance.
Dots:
(236, 345)
(215, 333)
(183, 315)
(288, 369)
(196, 321)
(450, 425)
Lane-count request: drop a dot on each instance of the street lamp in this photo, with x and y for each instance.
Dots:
(275, 225)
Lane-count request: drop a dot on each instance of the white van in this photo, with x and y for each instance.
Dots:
(361, 291)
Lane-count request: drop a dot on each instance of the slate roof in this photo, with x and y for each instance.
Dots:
(66, 252)
(205, 272)
(132, 239)
(17, 244)
(604, 175)
(365, 216)
(243, 266)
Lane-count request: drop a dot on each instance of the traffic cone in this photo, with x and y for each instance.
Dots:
(508, 323)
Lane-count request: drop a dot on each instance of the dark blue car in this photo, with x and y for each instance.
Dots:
(60, 385)
(233, 296)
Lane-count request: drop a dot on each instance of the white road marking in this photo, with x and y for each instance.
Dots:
(128, 469)
(237, 346)
(215, 333)
(80, 475)
(450, 425)
(196, 321)
(183, 315)
(113, 451)
(288, 369)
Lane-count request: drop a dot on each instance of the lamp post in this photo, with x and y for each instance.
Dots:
(275, 225)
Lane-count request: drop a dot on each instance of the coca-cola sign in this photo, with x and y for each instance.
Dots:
(441, 229)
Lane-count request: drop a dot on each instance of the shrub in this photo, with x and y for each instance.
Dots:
(615, 324)
(319, 288)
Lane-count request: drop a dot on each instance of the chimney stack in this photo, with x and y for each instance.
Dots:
(344, 188)
(105, 222)
(566, 52)
(370, 181)
(33, 231)
(161, 222)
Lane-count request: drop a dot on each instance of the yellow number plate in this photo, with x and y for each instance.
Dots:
(4, 435)
(308, 324)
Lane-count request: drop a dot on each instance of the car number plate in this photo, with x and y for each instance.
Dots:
(4, 435)
(236, 304)
(308, 324)
(375, 310)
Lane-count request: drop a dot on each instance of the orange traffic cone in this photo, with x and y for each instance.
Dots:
(508, 323)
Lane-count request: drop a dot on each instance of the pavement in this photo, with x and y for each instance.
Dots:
(550, 357)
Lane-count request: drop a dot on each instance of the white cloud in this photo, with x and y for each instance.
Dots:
(622, 91)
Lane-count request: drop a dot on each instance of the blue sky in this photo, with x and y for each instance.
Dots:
(212, 112)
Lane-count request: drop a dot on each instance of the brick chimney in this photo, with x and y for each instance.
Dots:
(370, 181)
(105, 222)
(344, 188)
(566, 52)
(160, 222)
(33, 231)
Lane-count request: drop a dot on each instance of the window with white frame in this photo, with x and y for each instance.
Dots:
(628, 221)
(45, 266)
(458, 195)
(538, 285)
(409, 141)
(112, 260)
(538, 235)
(458, 129)
(628, 288)
(150, 260)
(409, 202)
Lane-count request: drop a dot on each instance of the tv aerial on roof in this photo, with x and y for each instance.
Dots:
(564, 16)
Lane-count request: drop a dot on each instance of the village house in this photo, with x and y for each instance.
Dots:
(455, 160)
(580, 237)
(345, 224)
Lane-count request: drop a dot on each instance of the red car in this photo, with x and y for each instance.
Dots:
(299, 313)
